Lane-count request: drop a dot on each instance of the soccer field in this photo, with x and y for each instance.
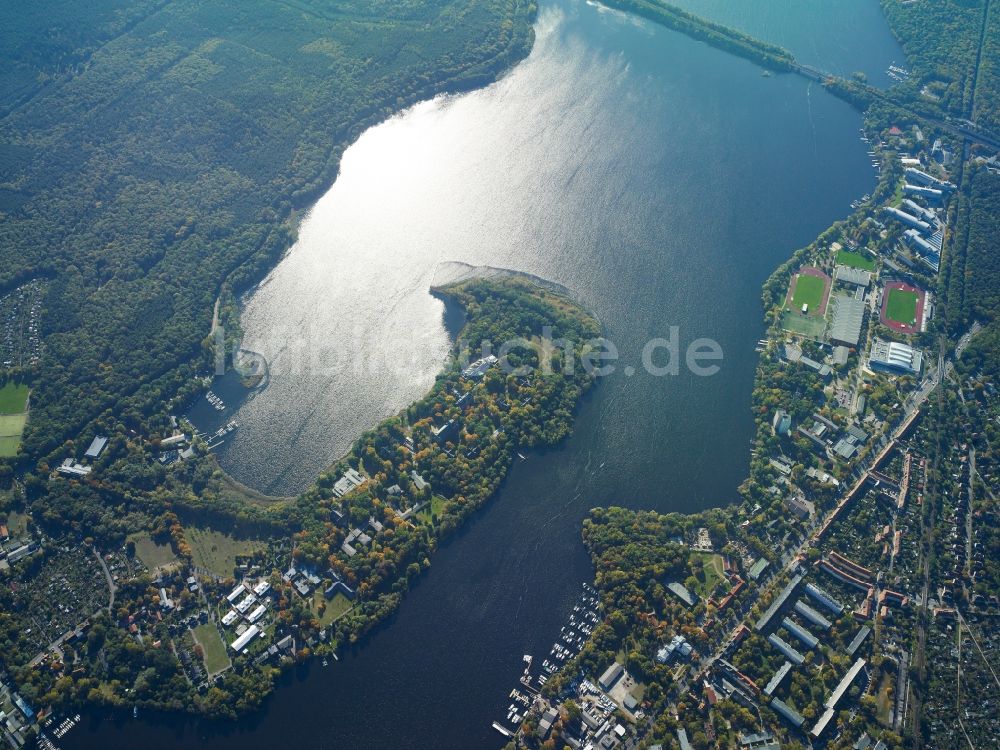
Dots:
(13, 398)
(901, 306)
(808, 291)
(13, 417)
(11, 427)
(215, 654)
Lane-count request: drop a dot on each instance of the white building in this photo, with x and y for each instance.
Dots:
(262, 588)
(241, 643)
(894, 357)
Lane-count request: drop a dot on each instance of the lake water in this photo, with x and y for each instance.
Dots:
(838, 36)
(660, 179)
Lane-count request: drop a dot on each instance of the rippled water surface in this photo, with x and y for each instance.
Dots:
(660, 179)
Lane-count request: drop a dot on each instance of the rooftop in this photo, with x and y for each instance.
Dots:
(848, 314)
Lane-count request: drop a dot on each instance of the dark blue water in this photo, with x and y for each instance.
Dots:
(663, 181)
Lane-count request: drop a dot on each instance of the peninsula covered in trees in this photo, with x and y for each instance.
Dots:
(360, 535)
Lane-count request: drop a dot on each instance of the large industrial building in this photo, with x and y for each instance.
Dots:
(931, 194)
(930, 254)
(920, 212)
(908, 219)
(894, 357)
(845, 325)
(918, 177)
(852, 276)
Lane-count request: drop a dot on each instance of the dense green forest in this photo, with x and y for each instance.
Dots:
(166, 152)
(986, 105)
(51, 41)
(941, 40)
(973, 281)
(974, 278)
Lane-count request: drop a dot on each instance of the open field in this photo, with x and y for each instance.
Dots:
(17, 523)
(901, 306)
(152, 553)
(709, 573)
(216, 657)
(335, 607)
(13, 418)
(804, 325)
(13, 398)
(11, 427)
(216, 551)
(432, 510)
(855, 260)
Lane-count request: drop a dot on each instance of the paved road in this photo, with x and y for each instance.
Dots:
(965, 339)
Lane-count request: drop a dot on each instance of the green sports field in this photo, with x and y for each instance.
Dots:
(808, 291)
(13, 398)
(13, 417)
(855, 260)
(803, 325)
(215, 654)
(901, 306)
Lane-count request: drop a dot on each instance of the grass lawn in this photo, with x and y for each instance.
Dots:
(11, 427)
(710, 572)
(153, 554)
(804, 325)
(17, 523)
(855, 260)
(808, 291)
(885, 701)
(13, 398)
(334, 607)
(216, 657)
(216, 551)
(901, 306)
(434, 509)
(9, 446)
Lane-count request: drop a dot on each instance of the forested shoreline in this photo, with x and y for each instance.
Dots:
(173, 161)
(418, 476)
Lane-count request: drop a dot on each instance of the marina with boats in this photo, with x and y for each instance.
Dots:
(57, 730)
(580, 623)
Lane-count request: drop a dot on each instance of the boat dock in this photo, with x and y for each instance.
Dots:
(580, 623)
